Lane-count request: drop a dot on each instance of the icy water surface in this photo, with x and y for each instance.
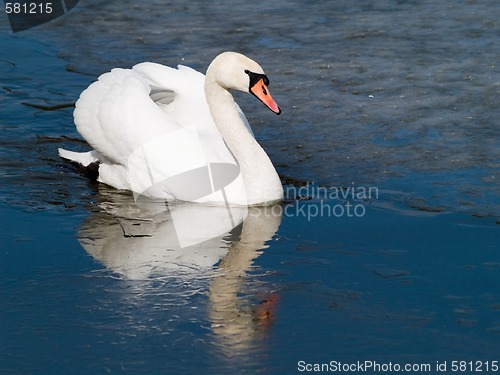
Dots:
(395, 101)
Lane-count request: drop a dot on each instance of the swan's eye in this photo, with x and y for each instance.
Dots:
(256, 77)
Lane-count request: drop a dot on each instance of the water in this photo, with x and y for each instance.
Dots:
(398, 96)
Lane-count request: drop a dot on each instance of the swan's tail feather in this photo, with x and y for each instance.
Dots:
(82, 158)
(87, 162)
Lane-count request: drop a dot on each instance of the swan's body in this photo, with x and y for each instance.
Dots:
(177, 134)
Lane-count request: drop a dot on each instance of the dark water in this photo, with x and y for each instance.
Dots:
(402, 97)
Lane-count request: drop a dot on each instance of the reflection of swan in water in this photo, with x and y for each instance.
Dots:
(236, 323)
(147, 239)
(139, 241)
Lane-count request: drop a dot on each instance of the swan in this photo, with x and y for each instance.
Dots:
(177, 134)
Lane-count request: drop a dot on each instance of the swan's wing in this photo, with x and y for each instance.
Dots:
(188, 106)
(149, 123)
(115, 115)
(189, 90)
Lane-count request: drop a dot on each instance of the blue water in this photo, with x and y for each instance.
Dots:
(398, 96)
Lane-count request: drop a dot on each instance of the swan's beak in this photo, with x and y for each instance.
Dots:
(261, 91)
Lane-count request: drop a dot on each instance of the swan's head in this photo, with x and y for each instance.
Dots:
(233, 70)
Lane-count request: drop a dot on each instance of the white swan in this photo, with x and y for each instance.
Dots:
(177, 134)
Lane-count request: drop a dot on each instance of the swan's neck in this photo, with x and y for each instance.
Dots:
(261, 181)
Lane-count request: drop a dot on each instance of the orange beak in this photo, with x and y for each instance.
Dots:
(261, 91)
